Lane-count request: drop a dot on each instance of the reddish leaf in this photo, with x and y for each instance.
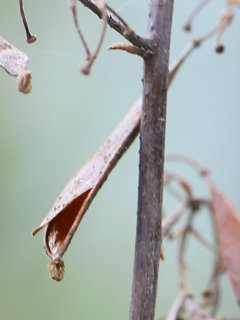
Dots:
(228, 231)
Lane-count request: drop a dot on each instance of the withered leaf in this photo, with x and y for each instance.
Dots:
(228, 231)
(15, 63)
(69, 208)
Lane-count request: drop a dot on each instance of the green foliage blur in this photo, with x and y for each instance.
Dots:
(46, 136)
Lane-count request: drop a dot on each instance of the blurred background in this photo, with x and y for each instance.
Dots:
(46, 136)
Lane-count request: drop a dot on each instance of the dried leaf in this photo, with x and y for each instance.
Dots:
(15, 62)
(228, 231)
(68, 210)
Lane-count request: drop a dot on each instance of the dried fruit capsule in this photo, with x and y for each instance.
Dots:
(219, 48)
(24, 81)
(56, 269)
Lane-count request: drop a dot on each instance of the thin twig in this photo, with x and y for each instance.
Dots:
(90, 57)
(185, 185)
(188, 25)
(173, 192)
(181, 254)
(194, 311)
(194, 164)
(72, 4)
(86, 68)
(203, 240)
(128, 29)
(193, 44)
(172, 219)
(30, 37)
(225, 21)
(177, 306)
(211, 293)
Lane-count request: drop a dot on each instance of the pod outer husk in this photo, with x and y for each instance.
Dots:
(12, 60)
(69, 208)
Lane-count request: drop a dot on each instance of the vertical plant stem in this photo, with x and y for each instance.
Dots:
(152, 142)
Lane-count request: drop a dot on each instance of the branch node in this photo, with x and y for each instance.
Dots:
(128, 32)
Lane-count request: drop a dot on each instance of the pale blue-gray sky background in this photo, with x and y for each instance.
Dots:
(47, 135)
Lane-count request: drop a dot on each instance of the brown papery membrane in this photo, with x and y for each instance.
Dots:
(228, 232)
(58, 229)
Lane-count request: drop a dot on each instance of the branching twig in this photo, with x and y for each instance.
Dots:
(90, 57)
(181, 254)
(194, 311)
(121, 27)
(72, 4)
(193, 44)
(224, 21)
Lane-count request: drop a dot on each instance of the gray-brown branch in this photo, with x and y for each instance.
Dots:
(152, 142)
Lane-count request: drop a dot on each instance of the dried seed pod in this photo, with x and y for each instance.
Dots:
(187, 27)
(63, 219)
(24, 81)
(56, 269)
(219, 48)
(15, 63)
